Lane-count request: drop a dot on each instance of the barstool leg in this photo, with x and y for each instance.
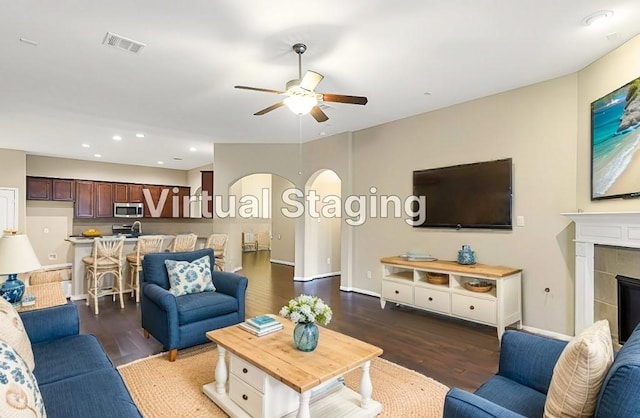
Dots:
(120, 291)
(137, 285)
(95, 292)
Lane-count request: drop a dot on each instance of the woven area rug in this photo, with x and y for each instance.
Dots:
(164, 389)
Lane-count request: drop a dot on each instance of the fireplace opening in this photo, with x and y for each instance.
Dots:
(628, 306)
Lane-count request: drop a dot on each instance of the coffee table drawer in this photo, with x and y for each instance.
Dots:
(248, 373)
(245, 396)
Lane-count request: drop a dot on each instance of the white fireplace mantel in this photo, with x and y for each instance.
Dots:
(619, 229)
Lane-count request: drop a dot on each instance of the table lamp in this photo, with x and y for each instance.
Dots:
(16, 256)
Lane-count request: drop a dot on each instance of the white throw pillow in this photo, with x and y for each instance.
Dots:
(12, 331)
(186, 277)
(579, 373)
(19, 392)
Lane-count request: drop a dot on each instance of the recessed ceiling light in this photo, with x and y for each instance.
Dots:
(97, 155)
(139, 135)
(117, 138)
(192, 149)
(160, 162)
(597, 18)
(85, 145)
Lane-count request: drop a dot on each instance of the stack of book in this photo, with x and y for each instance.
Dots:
(261, 325)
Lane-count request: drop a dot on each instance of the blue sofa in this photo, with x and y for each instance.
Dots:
(524, 374)
(74, 374)
(183, 321)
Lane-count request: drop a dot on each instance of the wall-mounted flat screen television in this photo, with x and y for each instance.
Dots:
(615, 142)
(477, 195)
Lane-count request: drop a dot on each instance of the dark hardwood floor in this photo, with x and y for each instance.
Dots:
(454, 352)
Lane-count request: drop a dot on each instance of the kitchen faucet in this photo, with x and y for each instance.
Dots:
(136, 228)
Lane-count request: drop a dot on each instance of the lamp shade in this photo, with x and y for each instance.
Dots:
(17, 255)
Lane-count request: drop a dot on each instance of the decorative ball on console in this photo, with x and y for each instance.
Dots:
(466, 256)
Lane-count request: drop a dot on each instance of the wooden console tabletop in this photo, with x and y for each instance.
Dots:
(494, 272)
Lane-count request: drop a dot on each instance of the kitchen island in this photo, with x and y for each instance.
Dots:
(81, 247)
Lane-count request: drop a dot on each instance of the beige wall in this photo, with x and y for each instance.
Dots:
(282, 228)
(94, 170)
(536, 127)
(603, 76)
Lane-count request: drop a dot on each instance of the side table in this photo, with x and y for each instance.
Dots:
(47, 295)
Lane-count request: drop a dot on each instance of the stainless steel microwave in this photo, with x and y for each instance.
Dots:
(128, 210)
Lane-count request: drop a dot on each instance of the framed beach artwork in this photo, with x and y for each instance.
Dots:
(615, 143)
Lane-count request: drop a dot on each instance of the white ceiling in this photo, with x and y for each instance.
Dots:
(70, 89)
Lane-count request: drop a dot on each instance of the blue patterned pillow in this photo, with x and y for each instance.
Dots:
(19, 392)
(186, 277)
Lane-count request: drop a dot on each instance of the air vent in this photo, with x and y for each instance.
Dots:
(122, 43)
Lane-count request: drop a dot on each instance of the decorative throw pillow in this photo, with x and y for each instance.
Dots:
(579, 373)
(186, 277)
(12, 331)
(19, 392)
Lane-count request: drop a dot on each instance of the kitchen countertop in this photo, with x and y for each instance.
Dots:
(89, 240)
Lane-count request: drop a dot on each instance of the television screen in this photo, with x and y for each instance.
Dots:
(615, 138)
(474, 195)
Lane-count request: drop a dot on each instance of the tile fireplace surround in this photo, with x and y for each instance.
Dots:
(617, 229)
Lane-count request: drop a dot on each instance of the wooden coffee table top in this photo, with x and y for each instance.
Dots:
(277, 355)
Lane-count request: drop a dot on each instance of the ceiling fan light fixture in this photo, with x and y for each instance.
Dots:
(300, 105)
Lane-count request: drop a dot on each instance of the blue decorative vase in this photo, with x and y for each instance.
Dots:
(466, 256)
(13, 289)
(305, 336)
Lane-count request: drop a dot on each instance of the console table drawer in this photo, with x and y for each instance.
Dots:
(435, 300)
(248, 373)
(244, 395)
(398, 292)
(482, 310)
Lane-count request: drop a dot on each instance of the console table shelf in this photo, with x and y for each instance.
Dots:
(405, 283)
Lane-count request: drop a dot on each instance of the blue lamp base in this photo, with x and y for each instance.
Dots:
(13, 289)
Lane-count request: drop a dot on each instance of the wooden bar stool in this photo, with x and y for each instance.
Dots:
(106, 259)
(183, 242)
(218, 243)
(145, 245)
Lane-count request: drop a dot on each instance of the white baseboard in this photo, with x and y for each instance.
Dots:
(547, 333)
(362, 291)
(286, 263)
(317, 276)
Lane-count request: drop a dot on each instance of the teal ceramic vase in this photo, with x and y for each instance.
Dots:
(305, 336)
(466, 256)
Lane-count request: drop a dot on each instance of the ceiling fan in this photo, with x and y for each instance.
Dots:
(301, 95)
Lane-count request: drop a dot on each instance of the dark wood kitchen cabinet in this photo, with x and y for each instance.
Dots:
(120, 193)
(104, 199)
(38, 188)
(45, 188)
(135, 193)
(158, 208)
(85, 206)
(94, 199)
(63, 190)
(207, 186)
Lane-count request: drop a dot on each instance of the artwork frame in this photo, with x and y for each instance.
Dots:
(615, 143)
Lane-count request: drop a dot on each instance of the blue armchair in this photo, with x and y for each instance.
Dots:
(180, 322)
(524, 374)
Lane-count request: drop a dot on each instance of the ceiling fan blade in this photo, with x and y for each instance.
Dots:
(259, 89)
(268, 109)
(318, 114)
(311, 80)
(340, 98)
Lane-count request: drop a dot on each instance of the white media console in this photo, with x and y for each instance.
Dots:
(405, 283)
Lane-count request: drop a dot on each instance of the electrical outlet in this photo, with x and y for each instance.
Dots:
(45, 230)
(520, 220)
(328, 260)
(279, 236)
(53, 256)
(368, 274)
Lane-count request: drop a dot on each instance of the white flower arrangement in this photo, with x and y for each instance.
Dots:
(307, 309)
